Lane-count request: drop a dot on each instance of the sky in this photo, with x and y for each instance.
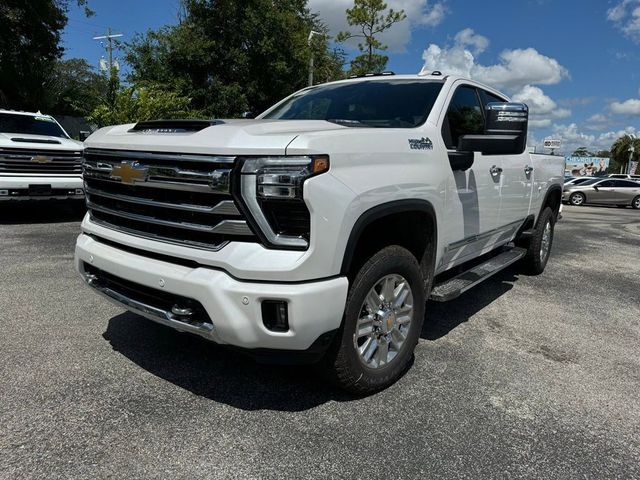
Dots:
(576, 63)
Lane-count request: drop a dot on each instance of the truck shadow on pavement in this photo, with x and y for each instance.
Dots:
(215, 372)
(442, 318)
(22, 213)
(230, 377)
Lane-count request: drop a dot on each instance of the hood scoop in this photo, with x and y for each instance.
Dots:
(173, 126)
(35, 140)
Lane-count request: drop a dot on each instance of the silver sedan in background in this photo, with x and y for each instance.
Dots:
(605, 191)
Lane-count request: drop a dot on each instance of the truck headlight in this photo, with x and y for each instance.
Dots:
(272, 191)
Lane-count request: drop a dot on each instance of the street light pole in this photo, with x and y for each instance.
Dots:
(312, 33)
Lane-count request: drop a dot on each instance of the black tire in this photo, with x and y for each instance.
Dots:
(536, 259)
(343, 363)
(577, 199)
(635, 203)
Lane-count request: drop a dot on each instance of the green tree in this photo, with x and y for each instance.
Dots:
(230, 57)
(620, 152)
(371, 19)
(136, 103)
(29, 48)
(75, 88)
(582, 152)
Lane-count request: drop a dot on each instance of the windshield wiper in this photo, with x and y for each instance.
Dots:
(347, 123)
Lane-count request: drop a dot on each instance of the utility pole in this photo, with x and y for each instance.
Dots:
(109, 38)
(632, 149)
(311, 35)
(113, 79)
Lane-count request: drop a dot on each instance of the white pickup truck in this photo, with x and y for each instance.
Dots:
(318, 231)
(38, 160)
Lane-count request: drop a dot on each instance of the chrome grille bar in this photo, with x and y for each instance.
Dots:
(216, 181)
(226, 207)
(232, 227)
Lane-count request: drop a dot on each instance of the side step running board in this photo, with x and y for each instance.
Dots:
(454, 287)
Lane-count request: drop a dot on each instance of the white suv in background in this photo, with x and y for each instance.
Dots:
(38, 160)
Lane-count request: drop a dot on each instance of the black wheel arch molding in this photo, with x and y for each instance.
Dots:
(383, 210)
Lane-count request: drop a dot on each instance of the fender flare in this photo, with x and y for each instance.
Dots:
(545, 202)
(380, 211)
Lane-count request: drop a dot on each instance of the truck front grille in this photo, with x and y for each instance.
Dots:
(48, 162)
(171, 197)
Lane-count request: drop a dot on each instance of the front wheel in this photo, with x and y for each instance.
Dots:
(382, 323)
(577, 199)
(635, 203)
(539, 247)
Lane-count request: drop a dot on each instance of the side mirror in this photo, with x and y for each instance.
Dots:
(505, 131)
(248, 115)
(84, 134)
(595, 188)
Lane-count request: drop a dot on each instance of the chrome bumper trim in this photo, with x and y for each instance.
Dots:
(148, 311)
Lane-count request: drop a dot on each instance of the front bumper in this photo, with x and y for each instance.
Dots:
(233, 306)
(16, 188)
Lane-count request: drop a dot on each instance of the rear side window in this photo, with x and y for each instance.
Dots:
(626, 184)
(464, 116)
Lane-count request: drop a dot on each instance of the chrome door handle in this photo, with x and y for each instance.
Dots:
(528, 170)
(495, 171)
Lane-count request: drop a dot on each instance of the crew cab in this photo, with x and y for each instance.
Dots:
(317, 231)
(38, 160)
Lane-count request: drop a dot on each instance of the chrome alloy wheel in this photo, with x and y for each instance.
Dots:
(385, 319)
(545, 245)
(636, 202)
(576, 199)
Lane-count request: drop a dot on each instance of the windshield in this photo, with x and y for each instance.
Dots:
(372, 103)
(29, 124)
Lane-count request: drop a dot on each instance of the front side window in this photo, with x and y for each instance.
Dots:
(606, 183)
(30, 125)
(370, 103)
(464, 116)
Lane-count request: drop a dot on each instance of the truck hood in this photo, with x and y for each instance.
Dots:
(37, 142)
(233, 137)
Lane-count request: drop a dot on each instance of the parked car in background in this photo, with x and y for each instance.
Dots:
(578, 180)
(625, 176)
(607, 191)
(38, 160)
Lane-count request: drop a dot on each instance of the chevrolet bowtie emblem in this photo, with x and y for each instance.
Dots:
(128, 173)
(41, 159)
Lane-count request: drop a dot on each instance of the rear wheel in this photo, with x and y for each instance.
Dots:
(539, 247)
(635, 203)
(577, 199)
(382, 323)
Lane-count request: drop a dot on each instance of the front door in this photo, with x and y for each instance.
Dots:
(473, 196)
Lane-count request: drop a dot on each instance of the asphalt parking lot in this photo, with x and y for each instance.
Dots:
(522, 377)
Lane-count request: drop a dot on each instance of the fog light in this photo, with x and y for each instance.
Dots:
(275, 315)
(79, 191)
(4, 193)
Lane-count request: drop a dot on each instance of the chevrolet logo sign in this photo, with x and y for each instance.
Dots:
(128, 173)
(41, 159)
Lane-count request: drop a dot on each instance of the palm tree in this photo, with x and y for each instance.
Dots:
(620, 151)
